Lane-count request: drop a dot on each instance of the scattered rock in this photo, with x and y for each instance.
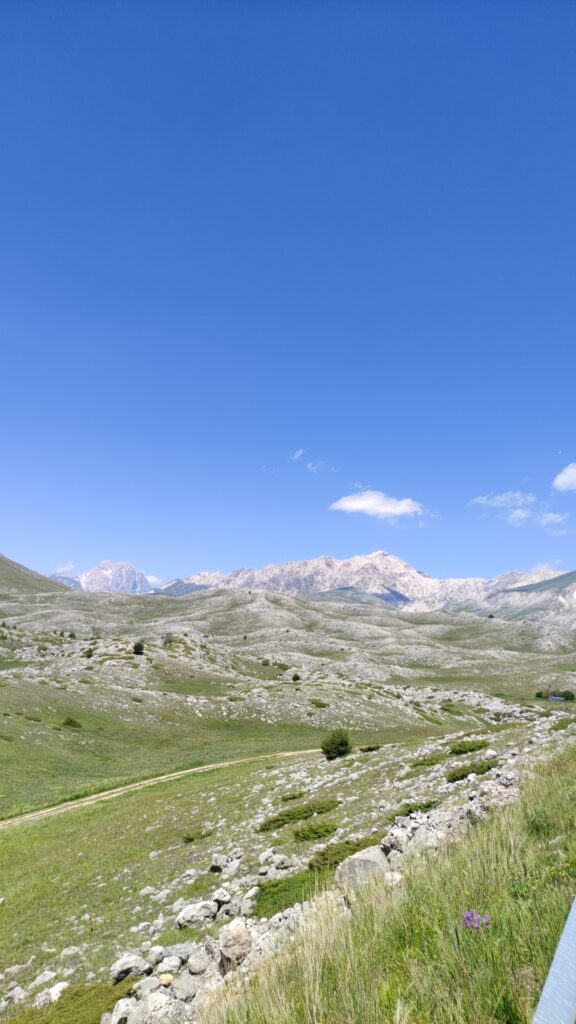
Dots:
(197, 913)
(129, 964)
(235, 944)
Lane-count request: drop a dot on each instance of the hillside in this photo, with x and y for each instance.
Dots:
(466, 938)
(428, 698)
(17, 579)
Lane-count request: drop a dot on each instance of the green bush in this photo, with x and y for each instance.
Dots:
(294, 795)
(478, 767)
(295, 678)
(138, 648)
(300, 813)
(317, 703)
(368, 748)
(314, 829)
(72, 723)
(467, 746)
(562, 723)
(336, 744)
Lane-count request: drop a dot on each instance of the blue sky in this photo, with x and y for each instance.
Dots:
(232, 232)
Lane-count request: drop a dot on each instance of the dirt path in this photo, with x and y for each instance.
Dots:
(109, 794)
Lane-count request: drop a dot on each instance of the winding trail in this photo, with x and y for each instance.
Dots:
(131, 787)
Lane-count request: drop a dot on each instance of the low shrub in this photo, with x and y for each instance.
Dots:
(138, 647)
(478, 767)
(429, 759)
(314, 829)
(317, 703)
(562, 723)
(336, 744)
(369, 748)
(72, 723)
(467, 746)
(294, 795)
(299, 813)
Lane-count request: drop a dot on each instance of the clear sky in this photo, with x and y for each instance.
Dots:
(235, 232)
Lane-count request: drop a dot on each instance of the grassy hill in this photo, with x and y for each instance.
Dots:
(408, 957)
(17, 579)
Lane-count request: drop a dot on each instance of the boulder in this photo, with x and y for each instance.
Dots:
(185, 987)
(235, 944)
(197, 913)
(367, 865)
(158, 1008)
(122, 1010)
(129, 964)
(218, 863)
(198, 962)
(169, 965)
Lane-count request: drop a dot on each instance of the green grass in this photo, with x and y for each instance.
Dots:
(80, 1004)
(43, 764)
(406, 957)
(429, 759)
(107, 860)
(562, 723)
(280, 893)
(332, 855)
(300, 812)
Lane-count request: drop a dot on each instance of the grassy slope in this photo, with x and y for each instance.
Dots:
(15, 578)
(43, 763)
(407, 959)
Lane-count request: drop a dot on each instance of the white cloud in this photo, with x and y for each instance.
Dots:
(297, 454)
(508, 499)
(66, 570)
(566, 479)
(375, 503)
(314, 467)
(517, 516)
(553, 518)
(154, 581)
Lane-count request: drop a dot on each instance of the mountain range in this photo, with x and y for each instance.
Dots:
(379, 577)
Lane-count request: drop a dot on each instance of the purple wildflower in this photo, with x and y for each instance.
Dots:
(474, 920)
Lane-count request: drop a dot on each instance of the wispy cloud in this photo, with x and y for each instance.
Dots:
(314, 467)
(66, 570)
(508, 499)
(566, 479)
(517, 516)
(154, 581)
(297, 454)
(379, 505)
(514, 507)
(553, 518)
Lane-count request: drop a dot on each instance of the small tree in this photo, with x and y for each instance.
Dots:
(138, 647)
(336, 744)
